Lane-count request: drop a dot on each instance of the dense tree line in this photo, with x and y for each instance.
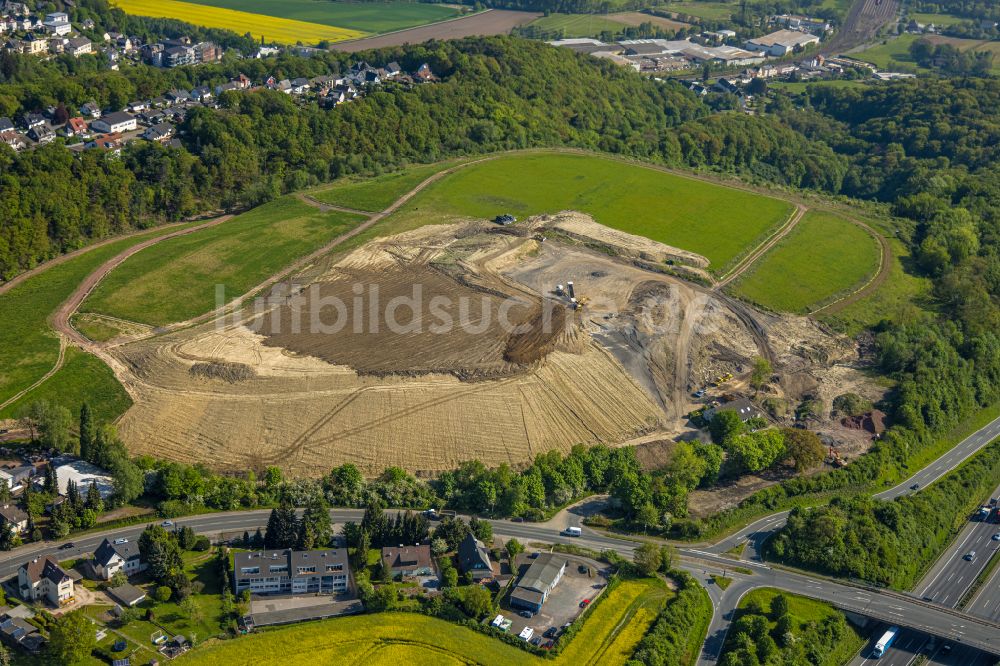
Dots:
(887, 542)
(950, 59)
(673, 639)
(772, 636)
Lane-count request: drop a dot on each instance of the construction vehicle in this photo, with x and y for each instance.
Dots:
(578, 303)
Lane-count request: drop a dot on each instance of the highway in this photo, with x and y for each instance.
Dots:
(884, 605)
(946, 583)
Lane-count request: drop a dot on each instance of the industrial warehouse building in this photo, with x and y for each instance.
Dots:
(538, 581)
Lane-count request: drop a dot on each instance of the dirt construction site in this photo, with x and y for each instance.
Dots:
(460, 341)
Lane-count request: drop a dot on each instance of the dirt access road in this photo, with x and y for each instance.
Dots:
(60, 318)
(762, 249)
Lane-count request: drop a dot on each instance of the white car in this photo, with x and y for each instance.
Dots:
(167, 523)
(996, 537)
(119, 542)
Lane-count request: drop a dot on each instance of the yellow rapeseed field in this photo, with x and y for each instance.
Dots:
(271, 28)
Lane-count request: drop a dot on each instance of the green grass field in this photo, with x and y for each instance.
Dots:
(28, 347)
(938, 19)
(371, 17)
(806, 611)
(83, 377)
(607, 637)
(711, 11)
(379, 192)
(893, 51)
(578, 25)
(822, 257)
(176, 280)
(800, 86)
(715, 221)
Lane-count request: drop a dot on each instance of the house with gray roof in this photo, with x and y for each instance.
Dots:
(42, 579)
(110, 558)
(292, 571)
(473, 557)
(538, 581)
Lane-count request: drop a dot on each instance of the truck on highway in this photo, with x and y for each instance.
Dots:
(883, 643)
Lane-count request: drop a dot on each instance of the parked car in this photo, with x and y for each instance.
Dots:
(583, 568)
(526, 613)
(551, 632)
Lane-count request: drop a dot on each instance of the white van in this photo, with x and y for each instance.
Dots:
(573, 531)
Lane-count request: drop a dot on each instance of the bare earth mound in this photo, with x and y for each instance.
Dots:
(492, 361)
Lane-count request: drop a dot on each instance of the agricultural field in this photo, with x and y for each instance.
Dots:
(938, 19)
(267, 28)
(579, 25)
(892, 51)
(366, 17)
(714, 221)
(710, 11)
(177, 279)
(608, 636)
(823, 257)
(376, 193)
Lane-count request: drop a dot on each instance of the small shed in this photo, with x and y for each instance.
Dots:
(127, 594)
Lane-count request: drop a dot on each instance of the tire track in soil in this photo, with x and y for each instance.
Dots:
(762, 249)
(873, 285)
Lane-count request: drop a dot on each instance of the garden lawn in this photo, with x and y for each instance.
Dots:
(369, 17)
(376, 193)
(823, 257)
(266, 28)
(28, 347)
(609, 635)
(718, 222)
(83, 377)
(177, 279)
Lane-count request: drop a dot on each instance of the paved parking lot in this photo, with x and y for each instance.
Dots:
(563, 604)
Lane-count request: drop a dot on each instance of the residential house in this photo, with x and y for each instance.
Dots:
(15, 476)
(538, 581)
(161, 132)
(88, 24)
(109, 142)
(91, 110)
(42, 579)
(178, 96)
(392, 70)
(30, 120)
(115, 123)
(698, 89)
(79, 46)
(110, 558)
(266, 52)
(408, 560)
(11, 8)
(176, 56)
(299, 86)
(201, 94)
(137, 106)
(229, 85)
(42, 134)
(13, 139)
(292, 572)
(57, 45)
(781, 42)
(58, 23)
(34, 44)
(6, 124)
(11, 516)
(475, 558)
(206, 52)
(424, 73)
(284, 85)
(16, 631)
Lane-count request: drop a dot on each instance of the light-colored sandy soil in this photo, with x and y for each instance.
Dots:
(236, 395)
